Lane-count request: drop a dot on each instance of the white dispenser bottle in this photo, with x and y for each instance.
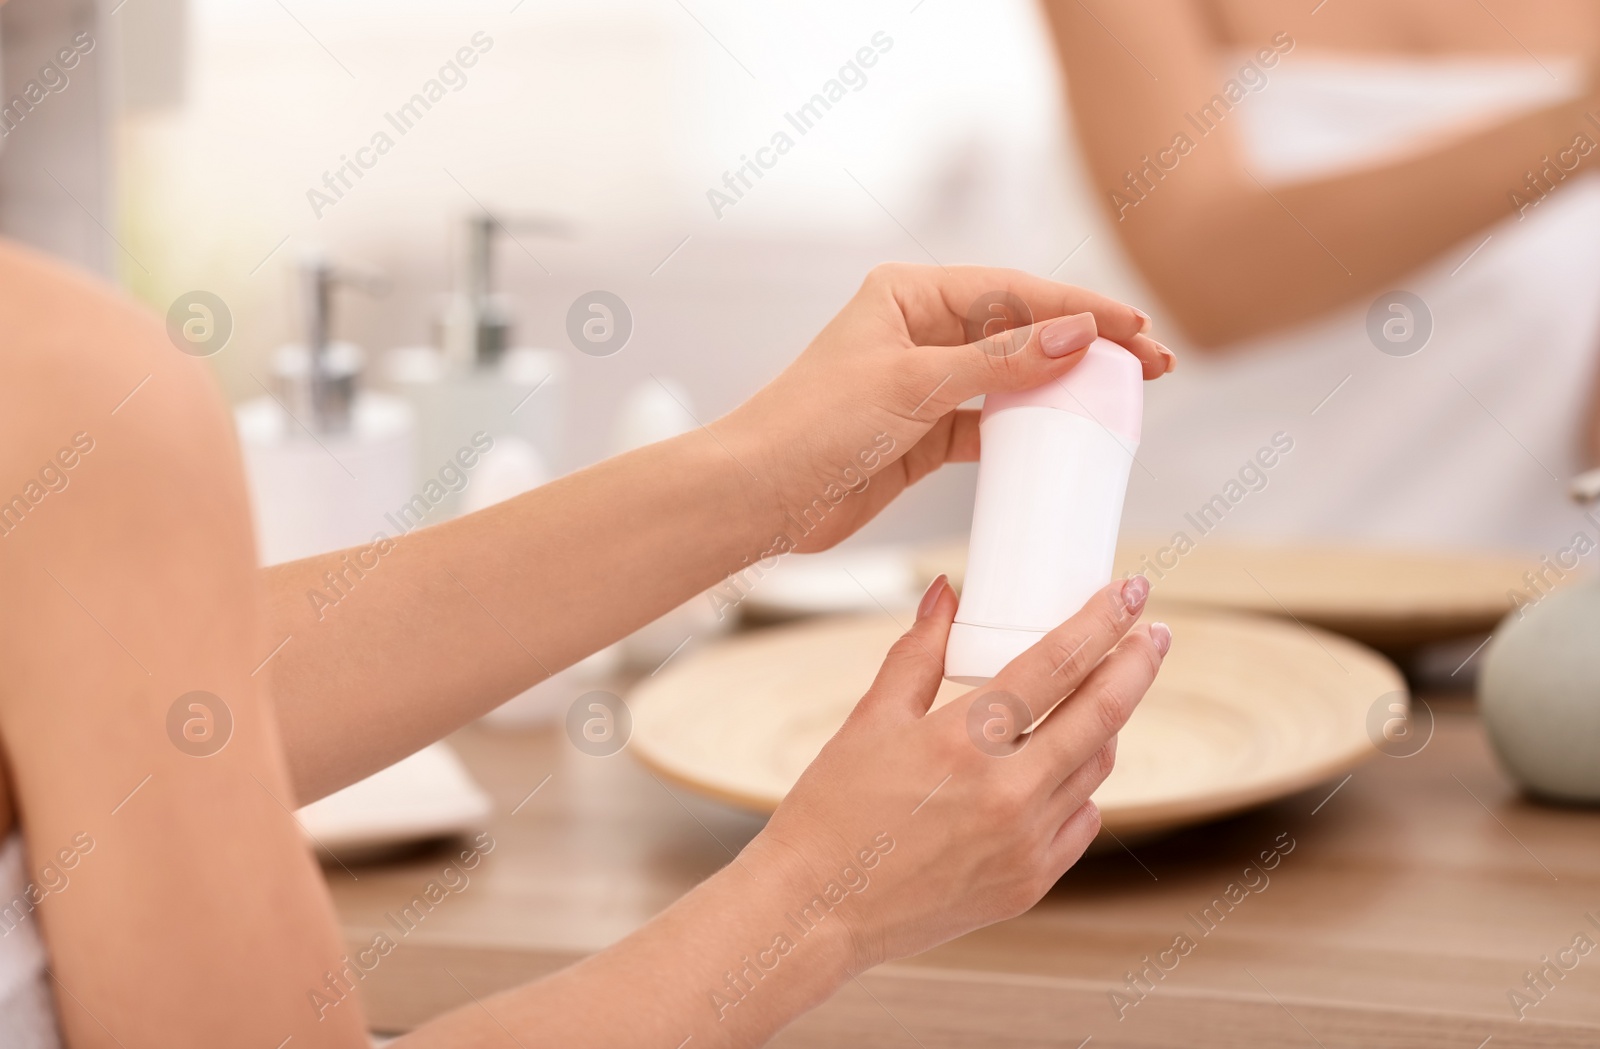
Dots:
(326, 459)
(475, 379)
(1051, 479)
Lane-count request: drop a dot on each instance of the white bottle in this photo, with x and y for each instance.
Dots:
(475, 380)
(1052, 476)
(326, 459)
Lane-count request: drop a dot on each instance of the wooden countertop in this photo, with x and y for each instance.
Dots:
(1416, 898)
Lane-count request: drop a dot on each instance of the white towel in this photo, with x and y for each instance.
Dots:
(27, 1010)
(1467, 443)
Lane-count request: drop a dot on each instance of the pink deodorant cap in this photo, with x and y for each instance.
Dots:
(1105, 386)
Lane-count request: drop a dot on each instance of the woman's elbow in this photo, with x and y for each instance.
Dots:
(1220, 294)
(1213, 309)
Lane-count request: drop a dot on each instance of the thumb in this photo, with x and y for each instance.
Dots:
(911, 672)
(1015, 359)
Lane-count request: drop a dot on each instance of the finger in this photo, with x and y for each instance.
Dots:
(914, 667)
(1079, 784)
(960, 304)
(953, 439)
(1063, 658)
(938, 302)
(1100, 706)
(1011, 359)
(1020, 359)
(963, 445)
(1074, 837)
(1155, 358)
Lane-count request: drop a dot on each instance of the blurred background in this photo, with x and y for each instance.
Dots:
(440, 253)
(611, 118)
(222, 146)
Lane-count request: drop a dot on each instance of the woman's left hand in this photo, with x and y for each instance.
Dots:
(871, 406)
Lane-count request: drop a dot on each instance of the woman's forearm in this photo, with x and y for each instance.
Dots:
(899, 836)
(728, 965)
(392, 646)
(1245, 260)
(1232, 257)
(386, 649)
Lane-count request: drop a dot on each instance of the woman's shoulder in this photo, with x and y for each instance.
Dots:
(47, 304)
(79, 353)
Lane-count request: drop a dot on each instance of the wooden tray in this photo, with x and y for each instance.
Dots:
(1246, 709)
(1391, 598)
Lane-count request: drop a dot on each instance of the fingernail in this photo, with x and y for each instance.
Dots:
(1144, 319)
(1168, 356)
(1161, 634)
(931, 598)
(1134, 591)
(1066, 335)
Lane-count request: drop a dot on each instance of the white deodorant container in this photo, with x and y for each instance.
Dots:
(1051, 478)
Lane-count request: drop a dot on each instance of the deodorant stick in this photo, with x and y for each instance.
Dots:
(1051, 478)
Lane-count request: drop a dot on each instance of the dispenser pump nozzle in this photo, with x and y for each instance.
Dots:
(320, 377)
(491, 328)
(490, 334)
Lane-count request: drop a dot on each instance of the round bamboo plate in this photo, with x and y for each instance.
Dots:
(1246, 709)
(1390, 598)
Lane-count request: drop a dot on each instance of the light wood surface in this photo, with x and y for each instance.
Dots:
(1416, 897)
(1246, 709)
(1391, 599)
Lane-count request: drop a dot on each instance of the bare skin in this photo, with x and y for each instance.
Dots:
(429, 619)
(198, 917)
(1228, 259)
(126, 589)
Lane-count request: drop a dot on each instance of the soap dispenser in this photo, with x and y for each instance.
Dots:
(476, 326)
(475, 381)
(327, 462)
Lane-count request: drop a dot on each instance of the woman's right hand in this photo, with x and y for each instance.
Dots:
(911, 828)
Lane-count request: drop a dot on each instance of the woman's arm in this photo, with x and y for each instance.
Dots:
(904, 833)
(1230, 258)
(179, 902)
(455, 619)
